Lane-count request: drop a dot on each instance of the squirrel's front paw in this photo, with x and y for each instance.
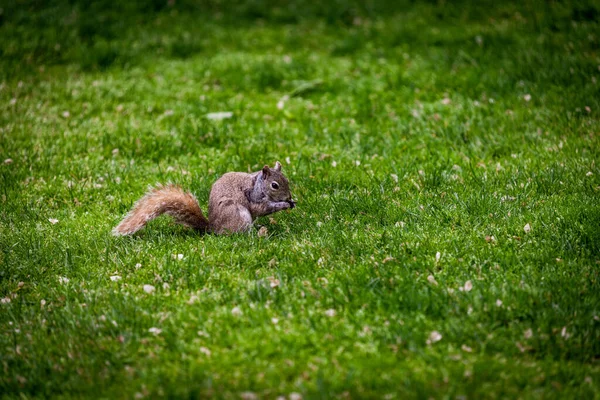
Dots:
(281, 205)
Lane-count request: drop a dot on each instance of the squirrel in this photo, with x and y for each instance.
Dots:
(236, 200)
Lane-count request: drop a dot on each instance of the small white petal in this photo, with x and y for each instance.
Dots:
(53, 220)
(330, 312)
(468, 286)
(274, 282)
(217, 116)
(499, 303)
(431, 279)
(149, 288)
(248, 396)
(155, 331)
(115, 278)
(236, 311)
(334, 164)
(438, 255)
(527, 228)
(62, 279)
(205, 351)
(435, 336)
(527, 97)
(274, 321)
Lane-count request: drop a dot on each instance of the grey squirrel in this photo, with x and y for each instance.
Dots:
(236, 200)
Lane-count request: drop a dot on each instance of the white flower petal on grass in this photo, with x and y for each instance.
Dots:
(288, 161)
(138, 266)
(438, 255)
(334, 164)
(499, 303)
(274, 321)
(155, 331)
(394, 177)
(295, 396)
(53, 220)
(468, 286)
(115, 278)
(236, 311)
(590, 173)
(466, 348)
(205, 351)
(527, 97)
(431, 279)
(149, 288)
(5, 300)
(527, 228)
(528, 333)
(330, 313)
(180, 256)
(263, 231)
(62, 279)
(434, 337)
(273, 282)
(8, 161)
(217, 116)
(564, 333)
(248, 396)
(66, 114)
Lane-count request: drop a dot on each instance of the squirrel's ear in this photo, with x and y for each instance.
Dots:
(277, 166)
(266, 171)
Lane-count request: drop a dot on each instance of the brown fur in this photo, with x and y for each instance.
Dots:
(169, 199)
(236, 200)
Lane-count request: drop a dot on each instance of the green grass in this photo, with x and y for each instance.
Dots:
(419, 141)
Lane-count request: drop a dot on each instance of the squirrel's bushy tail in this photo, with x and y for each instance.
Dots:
(169, 199)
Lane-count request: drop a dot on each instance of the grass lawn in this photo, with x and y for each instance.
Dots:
(444, 156)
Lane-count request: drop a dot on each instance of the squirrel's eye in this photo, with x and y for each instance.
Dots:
(274, 185)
